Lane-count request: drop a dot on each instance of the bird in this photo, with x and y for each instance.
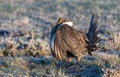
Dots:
(67, 42)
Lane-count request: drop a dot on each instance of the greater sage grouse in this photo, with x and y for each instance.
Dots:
(67, 42)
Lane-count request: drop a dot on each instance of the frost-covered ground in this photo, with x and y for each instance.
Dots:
(25, 27)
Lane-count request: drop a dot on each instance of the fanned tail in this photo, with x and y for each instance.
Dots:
(92, 34)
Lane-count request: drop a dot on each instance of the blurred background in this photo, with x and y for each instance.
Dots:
(25, 27)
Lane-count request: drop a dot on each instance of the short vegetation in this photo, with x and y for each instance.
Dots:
(25, 30)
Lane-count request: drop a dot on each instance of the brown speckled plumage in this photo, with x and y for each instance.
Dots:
(69, 42)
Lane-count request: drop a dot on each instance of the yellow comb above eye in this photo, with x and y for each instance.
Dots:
(61, 20)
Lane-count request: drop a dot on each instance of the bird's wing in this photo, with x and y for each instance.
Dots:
(59, 46)
(69, 39)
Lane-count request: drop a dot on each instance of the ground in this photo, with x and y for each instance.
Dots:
(25, 30)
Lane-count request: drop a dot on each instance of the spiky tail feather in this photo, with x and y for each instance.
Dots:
(92, 34)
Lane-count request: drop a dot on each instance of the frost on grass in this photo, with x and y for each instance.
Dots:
(25, 29)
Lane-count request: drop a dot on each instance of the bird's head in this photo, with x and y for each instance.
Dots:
(64, 21)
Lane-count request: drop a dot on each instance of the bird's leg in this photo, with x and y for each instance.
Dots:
(69, 59)
(78, 59)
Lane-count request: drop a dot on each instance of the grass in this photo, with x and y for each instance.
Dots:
(30, 55)
(9, 7)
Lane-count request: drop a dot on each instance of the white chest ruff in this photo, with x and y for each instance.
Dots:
(68, 23)
(53, 36)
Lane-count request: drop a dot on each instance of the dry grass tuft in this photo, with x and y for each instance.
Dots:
(114, 41)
